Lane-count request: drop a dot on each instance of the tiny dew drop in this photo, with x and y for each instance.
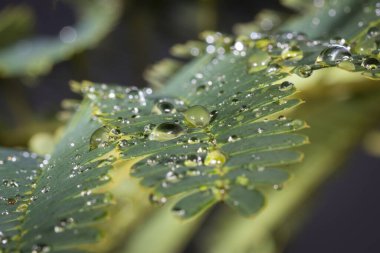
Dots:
(197, 116)
(156, 199)
(273, 68)
(166, 131)
(285, 86)
(233, 138)
(215, 158)
(373, 32)
(99, 138)
(11, 201)
(40, 248)
(200, 89)
(63, 224)
(193, 160)
(172, 177)
(163, 107)
(179, 211)
(293, 53)
(3, 239)
(193, 140)
(333, 55)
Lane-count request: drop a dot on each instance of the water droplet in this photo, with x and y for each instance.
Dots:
(166, 131)
(293, 53)
(10, 183)
(172, 177)
(242, 180)
(193, 140)
(63, 225)
(156, 199)
(99, 138)
(3, 240)
(304, 71)
(201, 88)
(193, 160)
(179, 211)
(197, 116)
(233, 138)
(273, 68)
(373, 32)
(215, 158)
(40, 248)
(258, 61)
(163, 107)
(370, 63)
(260, 130)
(11, 201)
(333, 55)
(285, 86)
(45, 189)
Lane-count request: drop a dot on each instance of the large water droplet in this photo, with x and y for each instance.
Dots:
(162, 107)
(258, 61)
(166, 131)
(293, 53)
(333, 55)
(197, 116)
(284, 86)
(99, 138)
(370, 63)
(215, 158)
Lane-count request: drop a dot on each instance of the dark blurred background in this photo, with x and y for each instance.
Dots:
(345, 217)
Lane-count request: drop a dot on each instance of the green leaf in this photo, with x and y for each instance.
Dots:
(214, 133)
(217, 115)
(37, 55)
(48, 203)
(205, 144)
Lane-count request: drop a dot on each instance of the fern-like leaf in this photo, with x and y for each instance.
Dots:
(47, 204)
